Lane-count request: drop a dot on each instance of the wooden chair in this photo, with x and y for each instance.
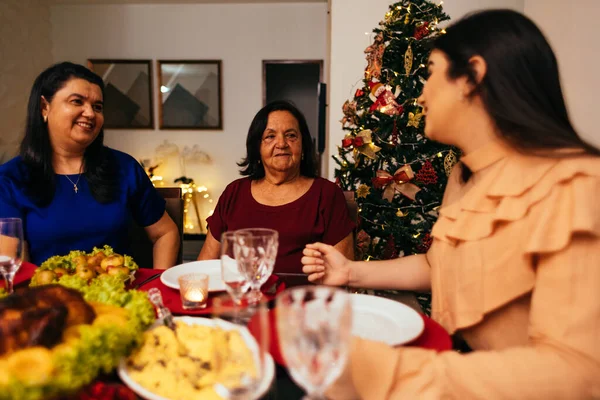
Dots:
(141, 246)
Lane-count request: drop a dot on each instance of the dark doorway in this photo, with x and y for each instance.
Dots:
(297, 81)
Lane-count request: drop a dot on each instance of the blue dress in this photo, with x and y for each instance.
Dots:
(76, 221)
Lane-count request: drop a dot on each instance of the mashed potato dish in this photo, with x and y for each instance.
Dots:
(187, 365)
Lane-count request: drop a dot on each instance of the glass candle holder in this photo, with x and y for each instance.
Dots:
(193, 289)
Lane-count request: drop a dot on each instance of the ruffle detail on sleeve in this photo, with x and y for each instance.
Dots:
(487, 240)
(567, 191)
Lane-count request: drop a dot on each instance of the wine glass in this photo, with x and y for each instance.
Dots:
(235, 282)
(256, 251)
(11, 249)
(243, 368)
(314, 329)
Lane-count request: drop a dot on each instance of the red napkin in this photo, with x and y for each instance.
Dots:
(25, 272)
(434, 336)
(172, 299)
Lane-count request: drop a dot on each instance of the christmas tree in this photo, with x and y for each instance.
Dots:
(397, 175)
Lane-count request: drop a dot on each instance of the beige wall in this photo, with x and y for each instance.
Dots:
(572, 29)
(25, 50)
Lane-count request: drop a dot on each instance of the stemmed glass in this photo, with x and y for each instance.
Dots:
(11, 249)
(243, 371)
(235, 282)
(314, 328)
(255, 252)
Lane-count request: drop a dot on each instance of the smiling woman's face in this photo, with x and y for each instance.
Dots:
(281, 144)
(75, 114)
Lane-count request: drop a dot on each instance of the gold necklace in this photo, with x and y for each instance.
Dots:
(75, 188)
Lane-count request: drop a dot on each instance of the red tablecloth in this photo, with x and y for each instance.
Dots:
(434, 336)
(172, 299)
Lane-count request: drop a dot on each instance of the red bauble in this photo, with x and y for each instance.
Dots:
(359, 93)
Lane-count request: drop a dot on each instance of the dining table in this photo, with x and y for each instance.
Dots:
(109, 387)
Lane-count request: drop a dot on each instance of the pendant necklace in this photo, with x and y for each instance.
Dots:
(75, 188)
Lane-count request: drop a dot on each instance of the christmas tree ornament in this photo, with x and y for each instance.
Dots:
(350, 118)
(427, 174)
(421, 31)
(414, 120)
(395, 134)
(359, 93)
(408, 60)
(397, 183)
(400, 214)
(384, 100)
(449, 162)
(362, 144)
(374, 57)
(363, 191)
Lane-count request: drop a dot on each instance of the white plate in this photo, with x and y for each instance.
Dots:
(265, 384)
(384, 320)
(210, 267)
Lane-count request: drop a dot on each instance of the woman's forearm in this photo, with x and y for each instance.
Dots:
(406, 273)
(165, 250)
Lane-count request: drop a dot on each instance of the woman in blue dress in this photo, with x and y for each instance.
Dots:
(71, 191)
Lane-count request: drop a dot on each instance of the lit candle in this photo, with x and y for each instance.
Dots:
(197, 295)
(194, 290)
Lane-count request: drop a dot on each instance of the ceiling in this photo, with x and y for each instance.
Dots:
(182, 1)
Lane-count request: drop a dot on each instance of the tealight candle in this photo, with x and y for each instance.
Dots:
(194, 291)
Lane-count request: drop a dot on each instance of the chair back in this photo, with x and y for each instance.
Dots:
(141, 246)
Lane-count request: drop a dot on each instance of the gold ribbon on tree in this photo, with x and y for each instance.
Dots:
(363, 143)
(399, 182)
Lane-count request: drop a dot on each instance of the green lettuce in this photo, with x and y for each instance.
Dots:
(100, 347)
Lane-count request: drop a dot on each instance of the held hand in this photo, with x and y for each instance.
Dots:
(326, 265)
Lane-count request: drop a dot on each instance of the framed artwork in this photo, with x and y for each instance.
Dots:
(190, 94)
(127, 92)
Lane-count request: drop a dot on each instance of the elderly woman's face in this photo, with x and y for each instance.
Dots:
(75, 114)
(281, 144)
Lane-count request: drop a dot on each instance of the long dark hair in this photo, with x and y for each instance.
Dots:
(521, 89)
(251, 164)
(36, 150)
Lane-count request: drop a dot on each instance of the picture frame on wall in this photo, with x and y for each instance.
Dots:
(127, 92)
(189, 94)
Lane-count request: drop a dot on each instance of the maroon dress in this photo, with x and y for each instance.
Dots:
(319, 215)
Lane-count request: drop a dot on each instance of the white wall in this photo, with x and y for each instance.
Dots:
(25, 50)
(350, 19)
(572, 30)
(240, 35)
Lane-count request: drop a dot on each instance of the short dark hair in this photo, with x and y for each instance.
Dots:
(36, 150)
(521, 89)
(251, 164)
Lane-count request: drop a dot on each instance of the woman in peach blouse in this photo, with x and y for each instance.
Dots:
(514, 267)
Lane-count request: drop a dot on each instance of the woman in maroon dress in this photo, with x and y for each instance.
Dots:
(281, 192)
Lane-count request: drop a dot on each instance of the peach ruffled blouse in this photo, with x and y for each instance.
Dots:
(515, 266)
